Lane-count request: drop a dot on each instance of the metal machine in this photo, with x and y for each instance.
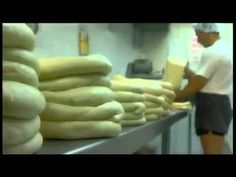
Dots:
(142, 68)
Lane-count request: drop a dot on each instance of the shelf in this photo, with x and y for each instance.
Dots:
(130, 140)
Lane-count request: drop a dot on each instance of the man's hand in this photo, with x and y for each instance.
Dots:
(177, 95)
(193, 86)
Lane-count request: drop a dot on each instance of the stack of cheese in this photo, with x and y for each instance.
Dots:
(174, 72)
(158, 95)
(132, 100)
(80, 103)
(22, 101)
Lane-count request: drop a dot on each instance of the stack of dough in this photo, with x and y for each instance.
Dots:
(132, 100)
(80, 103)
(181, 105)
(158, 95)
(22, 101)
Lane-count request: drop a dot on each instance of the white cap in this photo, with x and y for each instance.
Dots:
(206, 27)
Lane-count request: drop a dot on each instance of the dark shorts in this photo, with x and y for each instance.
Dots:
(201, 131)
(213, 113)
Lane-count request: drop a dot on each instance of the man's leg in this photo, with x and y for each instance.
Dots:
(212, 144)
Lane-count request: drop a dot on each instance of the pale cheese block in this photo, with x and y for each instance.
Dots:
(82, 96)
(71, 82)
(13, 71)
(18, 35)
(174, 72)
(141, 121)
(29, 147)
(120, 86)
(21, 101)
(60, 112)
(56, 67)
(16, 131)
(79, 129)
(128, 97)
(135, 107)
(21, 56)
(181, 105)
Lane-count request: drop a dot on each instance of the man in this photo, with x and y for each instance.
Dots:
(210, 85)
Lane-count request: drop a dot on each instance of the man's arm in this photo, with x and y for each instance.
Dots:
(195, 84)
(188, 72)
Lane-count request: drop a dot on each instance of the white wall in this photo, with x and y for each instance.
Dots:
(154, 46)
(115, 41)
(227, 37)
(56, 40)
(111, 40)
(226, 31)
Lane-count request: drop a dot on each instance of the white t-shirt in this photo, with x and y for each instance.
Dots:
(216, 65)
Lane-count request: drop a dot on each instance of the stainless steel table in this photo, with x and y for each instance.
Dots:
(131, 139)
